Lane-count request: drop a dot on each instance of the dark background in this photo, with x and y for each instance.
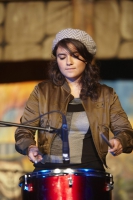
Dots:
(34, 70)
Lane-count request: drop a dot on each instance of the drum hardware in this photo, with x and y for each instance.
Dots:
(109, 186)
(25, 178)
(70, 181)
(28, 186)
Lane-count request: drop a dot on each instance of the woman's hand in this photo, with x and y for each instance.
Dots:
(116, 147)
(34, 154)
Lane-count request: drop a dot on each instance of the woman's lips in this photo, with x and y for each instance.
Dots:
(70, 68)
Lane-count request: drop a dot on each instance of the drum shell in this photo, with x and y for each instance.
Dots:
(76, 185)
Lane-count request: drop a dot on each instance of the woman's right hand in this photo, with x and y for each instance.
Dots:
(34, 154)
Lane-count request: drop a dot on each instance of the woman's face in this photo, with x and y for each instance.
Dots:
(71, 65)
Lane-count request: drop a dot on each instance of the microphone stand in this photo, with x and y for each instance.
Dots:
(65, 146)
(49, 129)
(64, 134)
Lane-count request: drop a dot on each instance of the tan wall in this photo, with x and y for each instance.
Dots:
(28, 28)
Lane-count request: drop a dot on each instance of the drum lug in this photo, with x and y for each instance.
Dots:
(28, 186)
(70, 181)
(109, 187)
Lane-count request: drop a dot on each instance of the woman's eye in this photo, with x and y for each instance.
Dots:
(75, 56)
(62, 58)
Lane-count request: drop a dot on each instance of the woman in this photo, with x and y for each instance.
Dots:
(90, 108)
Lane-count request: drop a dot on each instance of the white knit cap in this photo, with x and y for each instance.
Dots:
(76, 34)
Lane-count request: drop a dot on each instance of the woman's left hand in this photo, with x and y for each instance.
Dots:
(116, 147)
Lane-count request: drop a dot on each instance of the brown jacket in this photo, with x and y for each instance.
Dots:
(104, 114)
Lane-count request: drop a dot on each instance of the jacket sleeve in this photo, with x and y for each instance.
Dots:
(120, 125)
(25, 137)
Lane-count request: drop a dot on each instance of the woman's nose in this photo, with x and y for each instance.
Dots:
(69, 60)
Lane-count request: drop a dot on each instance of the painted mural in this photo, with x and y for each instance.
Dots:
(13, 165)
(122, 166)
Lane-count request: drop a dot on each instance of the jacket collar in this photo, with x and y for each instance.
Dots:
(66, 87)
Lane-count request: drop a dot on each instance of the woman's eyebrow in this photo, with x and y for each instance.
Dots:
(60, 54)
(75, 51)
(64, 54)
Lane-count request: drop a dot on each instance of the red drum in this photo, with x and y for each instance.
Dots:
(67, 184)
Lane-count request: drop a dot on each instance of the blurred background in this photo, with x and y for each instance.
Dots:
(27, 29)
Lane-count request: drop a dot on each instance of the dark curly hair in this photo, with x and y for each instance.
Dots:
(90, 77)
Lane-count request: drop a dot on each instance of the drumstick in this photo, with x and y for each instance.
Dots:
(106, 140)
